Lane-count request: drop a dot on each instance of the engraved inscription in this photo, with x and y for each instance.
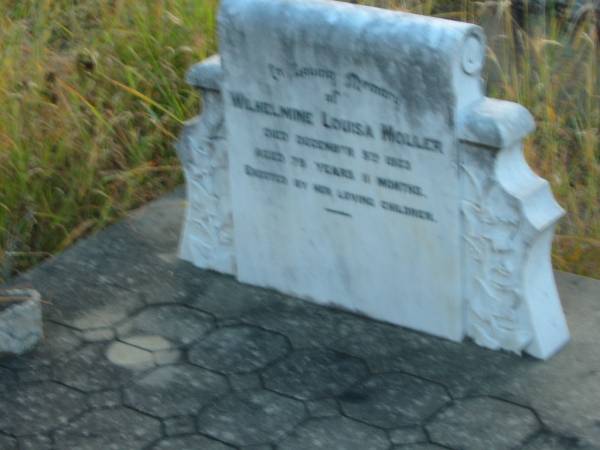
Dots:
(370, 156)
(300, 184)
(269, 155)
(298, 162)
(353, 81)
(336, 171)
(356, 198)
(400, 186)
(240, 101)
(405, 210)
(276, 134)
(265, 175)
(347, 126)
(398, 162)
(371, 172)
(318, 73)
(389, 134)
(325, 190)
(325, 146)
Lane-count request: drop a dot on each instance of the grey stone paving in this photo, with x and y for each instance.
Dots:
(175, 390)
(476, 423)
(39, 407)
(191, 442)
(336, 432)
(145, 352)
(8, 443)
(393, 400)
(111, 429)
(239, 349)
(266, 417)
(176, 323)
(58, 340)
(37, 442)
(314, 374)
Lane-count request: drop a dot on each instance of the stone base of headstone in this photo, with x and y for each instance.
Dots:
(20, 321)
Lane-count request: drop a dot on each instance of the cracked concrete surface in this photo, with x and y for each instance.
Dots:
(145, 352)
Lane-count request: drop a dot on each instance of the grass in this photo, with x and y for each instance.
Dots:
(92, 97)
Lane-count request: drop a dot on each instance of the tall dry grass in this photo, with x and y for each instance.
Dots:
(91, 99)
(553, 69)
(92, 96)
(551, 65)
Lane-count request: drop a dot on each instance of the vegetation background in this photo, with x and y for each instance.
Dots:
(92, 98)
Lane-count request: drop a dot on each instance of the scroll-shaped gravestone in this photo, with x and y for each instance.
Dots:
(347, 155)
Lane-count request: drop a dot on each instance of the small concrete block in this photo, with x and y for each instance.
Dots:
(58, 340)
(245, 381)
(180, 425)
(409, 435)
(105, 399)
(98, 335)
(20, 321)
(478, 423)
(323, 408)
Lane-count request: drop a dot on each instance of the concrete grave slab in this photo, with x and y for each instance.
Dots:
(175, 390)
(478, 423)
(338, 432)
(268, 417)
(81, 404)
(8, 443)
(191, 442)
(20, 321)
(110, 429)
(39, 407)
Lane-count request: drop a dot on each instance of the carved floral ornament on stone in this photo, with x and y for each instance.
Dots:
(348, 156)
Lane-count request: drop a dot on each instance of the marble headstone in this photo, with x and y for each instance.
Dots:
(347, 155)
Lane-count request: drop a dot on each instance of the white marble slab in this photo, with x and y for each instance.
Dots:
(360, 165)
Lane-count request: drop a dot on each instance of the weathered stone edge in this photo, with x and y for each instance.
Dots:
(207, 74)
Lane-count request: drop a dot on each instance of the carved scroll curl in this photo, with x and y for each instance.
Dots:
(509, 215)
